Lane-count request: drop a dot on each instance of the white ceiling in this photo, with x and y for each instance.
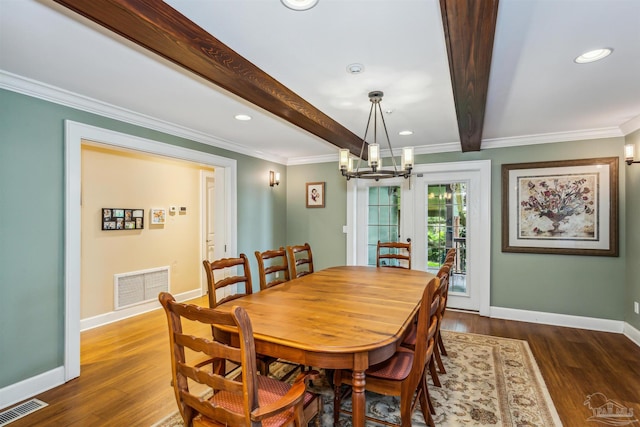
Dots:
(536, 92)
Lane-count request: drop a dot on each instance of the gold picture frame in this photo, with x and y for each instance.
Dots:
(315, 194)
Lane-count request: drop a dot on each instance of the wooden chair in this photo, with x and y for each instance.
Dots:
(410, 340)
(233, 286)
(241, 279)
(278, 265)
(249, 399)
(300, 260)
(449, 260)
(402, 374)
(393, 254)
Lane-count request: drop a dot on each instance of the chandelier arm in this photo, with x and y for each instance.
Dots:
(384, 125)
(364, 140)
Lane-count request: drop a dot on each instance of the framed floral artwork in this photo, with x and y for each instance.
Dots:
(315, 194)
(567, 207)
(158, 216)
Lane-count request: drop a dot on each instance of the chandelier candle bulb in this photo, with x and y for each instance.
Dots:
(344, 159)
(374, 156)
(407, 158)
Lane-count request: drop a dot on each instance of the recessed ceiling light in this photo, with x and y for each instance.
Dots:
(405, 132)
(355, 68)
(242, 117)
(593, 55)
(299, 4)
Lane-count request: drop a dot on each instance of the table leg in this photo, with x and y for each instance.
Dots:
(357, 398)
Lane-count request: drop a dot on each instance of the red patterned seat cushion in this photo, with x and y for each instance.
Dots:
(396, 368)
(269, 391)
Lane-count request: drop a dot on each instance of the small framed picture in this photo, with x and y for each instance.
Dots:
(315, 194)
(158, 216)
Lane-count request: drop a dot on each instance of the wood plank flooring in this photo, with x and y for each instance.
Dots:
(125, 372)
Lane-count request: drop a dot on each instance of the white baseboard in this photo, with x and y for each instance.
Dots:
(114, 316)
(33, 386)
(23, 390)
(591, 323)
(632, 333)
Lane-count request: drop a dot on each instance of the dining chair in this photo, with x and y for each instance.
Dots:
(403, 373)
(450, 261)
(410, 339)
(236, 400)
(300, 260)
(231, 278)
(272, 264)
(393, 254)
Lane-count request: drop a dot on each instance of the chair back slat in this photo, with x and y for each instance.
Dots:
(393, 254)
(218, 278)
(300, 260)
(270, 264)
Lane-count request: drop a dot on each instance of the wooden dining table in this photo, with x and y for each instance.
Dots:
(347, 317)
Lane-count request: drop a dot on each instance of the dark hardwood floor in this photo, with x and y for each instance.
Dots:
(125, 371)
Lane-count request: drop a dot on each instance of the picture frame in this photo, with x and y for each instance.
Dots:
(566, 207)
(315, 194)
(122, 219)
(158, 216)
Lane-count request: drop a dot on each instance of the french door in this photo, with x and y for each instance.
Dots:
(441, 206)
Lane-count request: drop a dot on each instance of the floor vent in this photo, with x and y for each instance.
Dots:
(140, 286)
(20, 411)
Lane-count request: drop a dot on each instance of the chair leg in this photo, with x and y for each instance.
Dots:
(425, 403)
(337, 396)
(441, 345)
(436, 353)
(434, 373)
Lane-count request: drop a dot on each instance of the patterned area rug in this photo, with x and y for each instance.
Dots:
(489, 382)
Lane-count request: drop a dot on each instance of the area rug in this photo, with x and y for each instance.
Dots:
(490, 381)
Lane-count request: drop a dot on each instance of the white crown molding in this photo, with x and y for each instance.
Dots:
(36, 89)
(549, 138)
(630, 126)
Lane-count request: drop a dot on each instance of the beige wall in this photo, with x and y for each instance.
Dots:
(120, 179)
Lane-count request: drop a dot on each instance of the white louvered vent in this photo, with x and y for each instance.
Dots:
(20, 411)
(140, 286)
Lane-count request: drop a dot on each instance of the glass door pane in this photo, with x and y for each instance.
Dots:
(384, 218)
(447, 228)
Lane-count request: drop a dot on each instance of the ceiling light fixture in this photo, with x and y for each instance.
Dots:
(375, 161)
(355, 68)
(405, 132)
(242, 117)
(300, 4)
(593, 55)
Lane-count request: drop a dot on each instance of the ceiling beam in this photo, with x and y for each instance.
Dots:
(469, 28)
(156, 26)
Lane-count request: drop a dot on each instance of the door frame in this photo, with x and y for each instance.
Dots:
(482, 241)
(221, 244)
(75, 133)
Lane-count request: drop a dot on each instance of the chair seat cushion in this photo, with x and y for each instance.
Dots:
(395, 368)
(269, 391)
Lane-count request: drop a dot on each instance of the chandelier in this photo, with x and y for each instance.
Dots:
(375, 170)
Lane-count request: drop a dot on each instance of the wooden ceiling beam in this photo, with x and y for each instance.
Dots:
(156, 26)
(469, 29)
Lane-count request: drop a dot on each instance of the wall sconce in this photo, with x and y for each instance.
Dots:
(274, 178)
(629, 154)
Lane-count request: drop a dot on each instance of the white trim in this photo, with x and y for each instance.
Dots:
(36, 89)
(556, 319)
(632, 333)
(75, 133)
(630, 126)
(125, 313)
(33, 386)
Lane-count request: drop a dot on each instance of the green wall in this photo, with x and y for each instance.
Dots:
(574, 285)
(32, 224)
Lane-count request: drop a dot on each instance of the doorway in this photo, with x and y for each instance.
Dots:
(74, 134)
(469, 229)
